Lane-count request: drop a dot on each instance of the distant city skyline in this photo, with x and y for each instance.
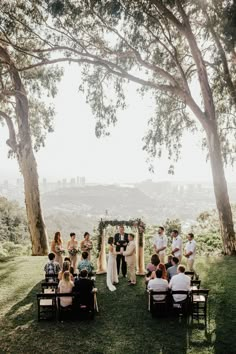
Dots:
(73, 150)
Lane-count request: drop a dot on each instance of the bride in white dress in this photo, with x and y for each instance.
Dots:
(112, 277)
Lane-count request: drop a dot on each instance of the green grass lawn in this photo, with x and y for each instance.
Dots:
(123, 324)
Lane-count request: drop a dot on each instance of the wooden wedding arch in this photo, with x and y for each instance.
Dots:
(138, 228)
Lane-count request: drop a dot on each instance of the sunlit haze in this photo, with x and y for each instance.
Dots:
(73, 150)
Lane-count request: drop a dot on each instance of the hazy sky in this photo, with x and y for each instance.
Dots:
(73, 150)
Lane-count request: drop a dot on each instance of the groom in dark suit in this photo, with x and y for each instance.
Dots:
(121, 241)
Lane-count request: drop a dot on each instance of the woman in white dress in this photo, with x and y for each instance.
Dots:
(112, 277)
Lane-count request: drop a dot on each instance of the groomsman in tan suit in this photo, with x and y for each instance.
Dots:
(130, 259)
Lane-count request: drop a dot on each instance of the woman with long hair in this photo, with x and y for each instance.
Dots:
(112, 276)
(86, 245)
(162, 267)
(72, 247)
(65, 286)
(65, 268)
(57, 248)
(152, 267)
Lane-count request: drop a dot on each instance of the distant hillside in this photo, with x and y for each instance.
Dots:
(96, 200)
(153, 201)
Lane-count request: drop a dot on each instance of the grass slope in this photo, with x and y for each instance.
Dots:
(123, 324)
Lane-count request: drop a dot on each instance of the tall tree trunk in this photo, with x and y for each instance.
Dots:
(28, 167)
(22, 146)
(36, 224)
(221, 191)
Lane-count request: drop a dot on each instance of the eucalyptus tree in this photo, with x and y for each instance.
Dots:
(173, 50)
(23, 108)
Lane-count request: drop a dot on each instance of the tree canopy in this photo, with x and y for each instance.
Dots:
(181, 52)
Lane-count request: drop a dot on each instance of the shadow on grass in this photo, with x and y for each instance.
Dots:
(26, 309)
(123, 325)
(221, 280)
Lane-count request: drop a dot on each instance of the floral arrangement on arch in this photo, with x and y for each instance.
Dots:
(133, 223)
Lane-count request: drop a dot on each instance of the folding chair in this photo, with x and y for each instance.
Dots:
(158, 306)
(199, 299)
(190, 274)
(49, 285)
(182, 306)
(47, 307)
(51, 278)
(65, 313)
(195, 284)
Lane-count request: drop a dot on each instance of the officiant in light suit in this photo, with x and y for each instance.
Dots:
(130, 258)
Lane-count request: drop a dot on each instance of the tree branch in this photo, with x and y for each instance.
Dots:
(11, 142)
(227, 76)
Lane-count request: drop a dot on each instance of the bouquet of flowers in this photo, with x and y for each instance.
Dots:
(60, 250)
(88, 245)
(73, 251)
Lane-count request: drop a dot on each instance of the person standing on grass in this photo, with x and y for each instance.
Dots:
(112, 275)
(72, 247)
(176, 245)
(160, 244)
(130, 258)
(121, 242)
(190, 251)
(86, 245)
(57, 248)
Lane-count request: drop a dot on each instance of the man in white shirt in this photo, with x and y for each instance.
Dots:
(180, 282)
(190, 251)
(176, 245)
(158, 284)
(160, 244)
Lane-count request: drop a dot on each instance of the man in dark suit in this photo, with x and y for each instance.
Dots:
(84, 288)
(121, 241)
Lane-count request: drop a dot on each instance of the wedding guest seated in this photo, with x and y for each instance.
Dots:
(152, 267)
(65, 286)
(71, 268)
(84, 287)
(169, 264)
(162, 267)
(65, 268)
(52, 267)
(173, 270)
(85, 264)
(180, 281)
(154, 263)
(158, 284)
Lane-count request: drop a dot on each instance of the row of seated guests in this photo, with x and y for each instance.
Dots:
(68, 283)
(53, 268)
(82, 285)
(160, 279)
(168, 270)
